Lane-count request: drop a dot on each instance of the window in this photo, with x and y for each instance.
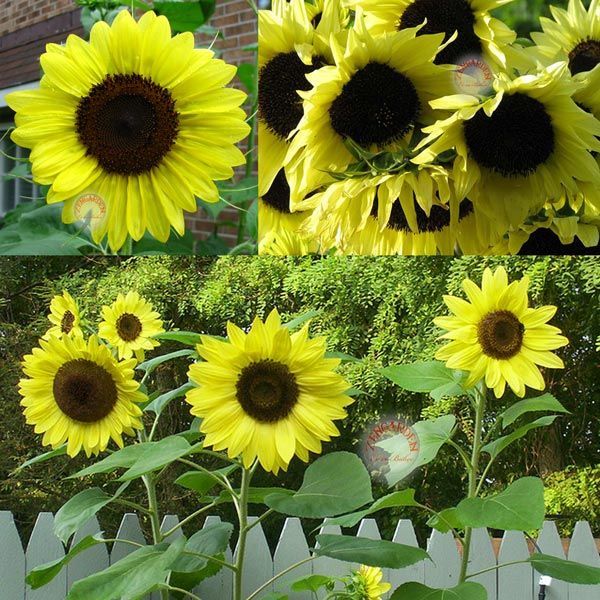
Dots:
(13, 190)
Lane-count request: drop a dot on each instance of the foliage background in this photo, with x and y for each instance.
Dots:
(380, 310)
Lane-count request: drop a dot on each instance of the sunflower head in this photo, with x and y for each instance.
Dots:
(497, 337)
(368, 585)
(64, 316)
(123, 117)
(76, 392)
(267, 394)
(129, 325)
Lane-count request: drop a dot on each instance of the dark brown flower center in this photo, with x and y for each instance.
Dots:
(377, 106)
(67, 321)
(279, 105)
(584, 57)
(128, 123)
(128, 327)
(515, 140)
(267, 390)
(500, 334)
(84, 390)
(278, 196)
(445, 16)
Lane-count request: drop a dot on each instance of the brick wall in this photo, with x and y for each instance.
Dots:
(26, 26)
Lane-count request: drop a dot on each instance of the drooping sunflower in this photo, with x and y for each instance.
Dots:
(275, 219)
(497, 337)
(414, 212)
(76, 392)
(64, 316)
(520, 148)
(368, 584)
(136, 118)
(267, 394)
(377, 93)
(293, 41)
(478, 33)
(129, 324)
(573, 36)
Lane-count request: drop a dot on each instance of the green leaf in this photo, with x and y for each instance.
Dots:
(497, 446)
(184, 16)
(247, 74)
(418, 591)
(125, 457)
(189, 338)
(565, 570)
(149, 365)
(393, 500)
(210, 541)
(302, 319)
(375, 553)
(334, 484)
(160, 402)
(431, 436)
(519, 507)
(131, 577)
(156, 455)
(200, 482)
(312, 583)
(81, 507)
(40, 576)
(342, 356)
(445, 520)
(426, 377)
(547, 403)
(60, 451)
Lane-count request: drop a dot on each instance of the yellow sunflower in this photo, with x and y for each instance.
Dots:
(478, 33)
(275, 217)
(135, 118)
(376, 94)
(520, 148)
(573, 36)
(293, 41)
(64, 316)
(76, 392)
(369, 586)
(413, 212)
(267, 394)
(497, 337)
(129, 324)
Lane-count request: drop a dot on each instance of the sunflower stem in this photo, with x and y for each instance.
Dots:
(157, 536)
(473, 473)
(243, 522)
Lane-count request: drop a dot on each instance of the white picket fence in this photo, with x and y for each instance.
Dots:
(517, 582)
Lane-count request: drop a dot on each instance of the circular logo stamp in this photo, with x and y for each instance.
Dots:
(473, 76)
(390, 449)
(89, 208)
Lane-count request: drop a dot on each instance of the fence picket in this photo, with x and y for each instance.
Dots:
(550, 543)
(258, 566)
(514, 582)
(405, 534)
(583, 549)
(44, 547)
(94, 559)
(482, 557)
(12, 558)
(221, 584)
(444, 571)
(292, 548)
